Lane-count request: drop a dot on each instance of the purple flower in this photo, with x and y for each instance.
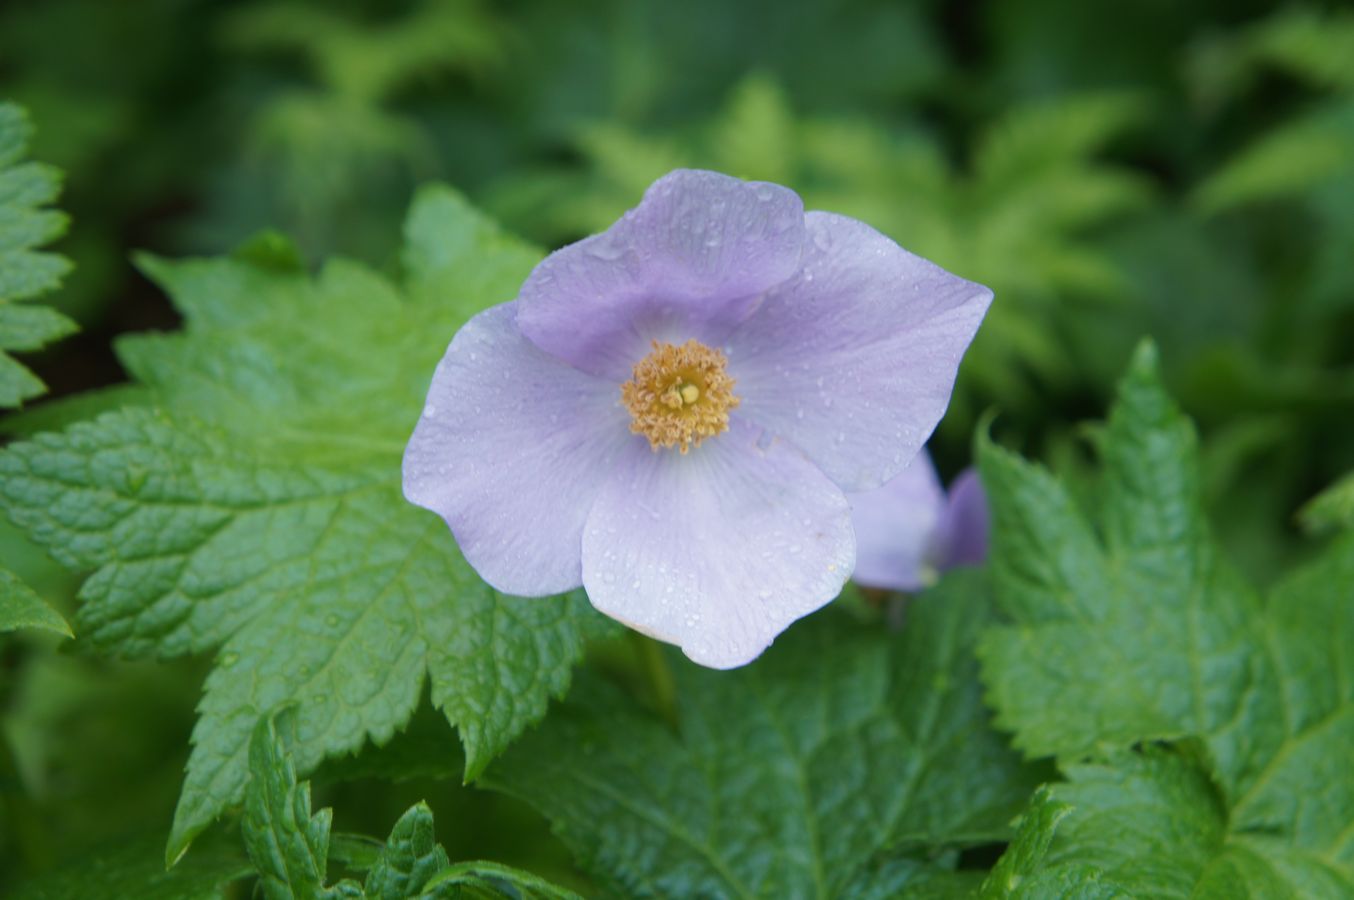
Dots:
(908, 531)
(671, 411)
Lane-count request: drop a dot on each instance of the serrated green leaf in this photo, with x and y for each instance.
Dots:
(137, 869)
(287, 844)
(1139, 636)
(25, 271)
(21, 607)
(252, 507)
(1150, 825)
(409, 859)
(1138, 632)
(787, 778)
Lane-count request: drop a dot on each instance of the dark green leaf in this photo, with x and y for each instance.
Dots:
(787, 778)
(251, 507)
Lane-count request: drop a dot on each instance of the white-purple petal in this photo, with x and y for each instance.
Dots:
(854, 359)
(961, 534)
(719, 550)
(691, 261)
(896, 528)
(512, 447)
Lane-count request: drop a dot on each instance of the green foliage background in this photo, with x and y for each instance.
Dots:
(1163, 633)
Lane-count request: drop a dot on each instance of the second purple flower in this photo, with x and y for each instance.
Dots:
(671, 412)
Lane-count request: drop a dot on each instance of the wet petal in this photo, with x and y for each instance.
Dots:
(855, 358)
(691, 261)
(895, 528)
(512, 447)
(720, 550)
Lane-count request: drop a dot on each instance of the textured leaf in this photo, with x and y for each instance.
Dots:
(1142, 635)
(251, 505)
(289, 846)
(788, 778)
(1137, 632)
(409, 859)
(1150, 825)
(21, 607)
(26, 188)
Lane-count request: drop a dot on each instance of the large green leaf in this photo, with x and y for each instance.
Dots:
(813, 773)
(251, 506)
(1136, 631)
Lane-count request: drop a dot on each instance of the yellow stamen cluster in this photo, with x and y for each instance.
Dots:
(679, 395)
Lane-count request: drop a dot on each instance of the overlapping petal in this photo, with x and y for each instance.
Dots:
(719, 550)
(896, 526)
(962, 532)
(692, 260)
(511, 449)
(854, 358)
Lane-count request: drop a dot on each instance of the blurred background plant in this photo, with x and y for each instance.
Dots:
(1180, 170)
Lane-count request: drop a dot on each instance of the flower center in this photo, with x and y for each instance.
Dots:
(679, 395)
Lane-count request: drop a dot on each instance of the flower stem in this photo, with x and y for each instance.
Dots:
(662, 687)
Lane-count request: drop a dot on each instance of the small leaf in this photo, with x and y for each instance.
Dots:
(289, 846)
(21, 607)
(1333, 508)
(410, 858)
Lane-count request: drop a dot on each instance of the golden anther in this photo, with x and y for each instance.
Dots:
(679, 395)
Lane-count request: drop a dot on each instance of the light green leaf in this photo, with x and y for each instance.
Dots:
(21, 607)
(26, 189)
(1332, 508)
(1137, 632)
(1285, 162)
(251, 506)
(789, 778)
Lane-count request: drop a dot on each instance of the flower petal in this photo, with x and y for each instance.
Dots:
(961, 532)
(511, 449)
(692, 260)
(855, 358)
(895, 527)
(720, 550)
